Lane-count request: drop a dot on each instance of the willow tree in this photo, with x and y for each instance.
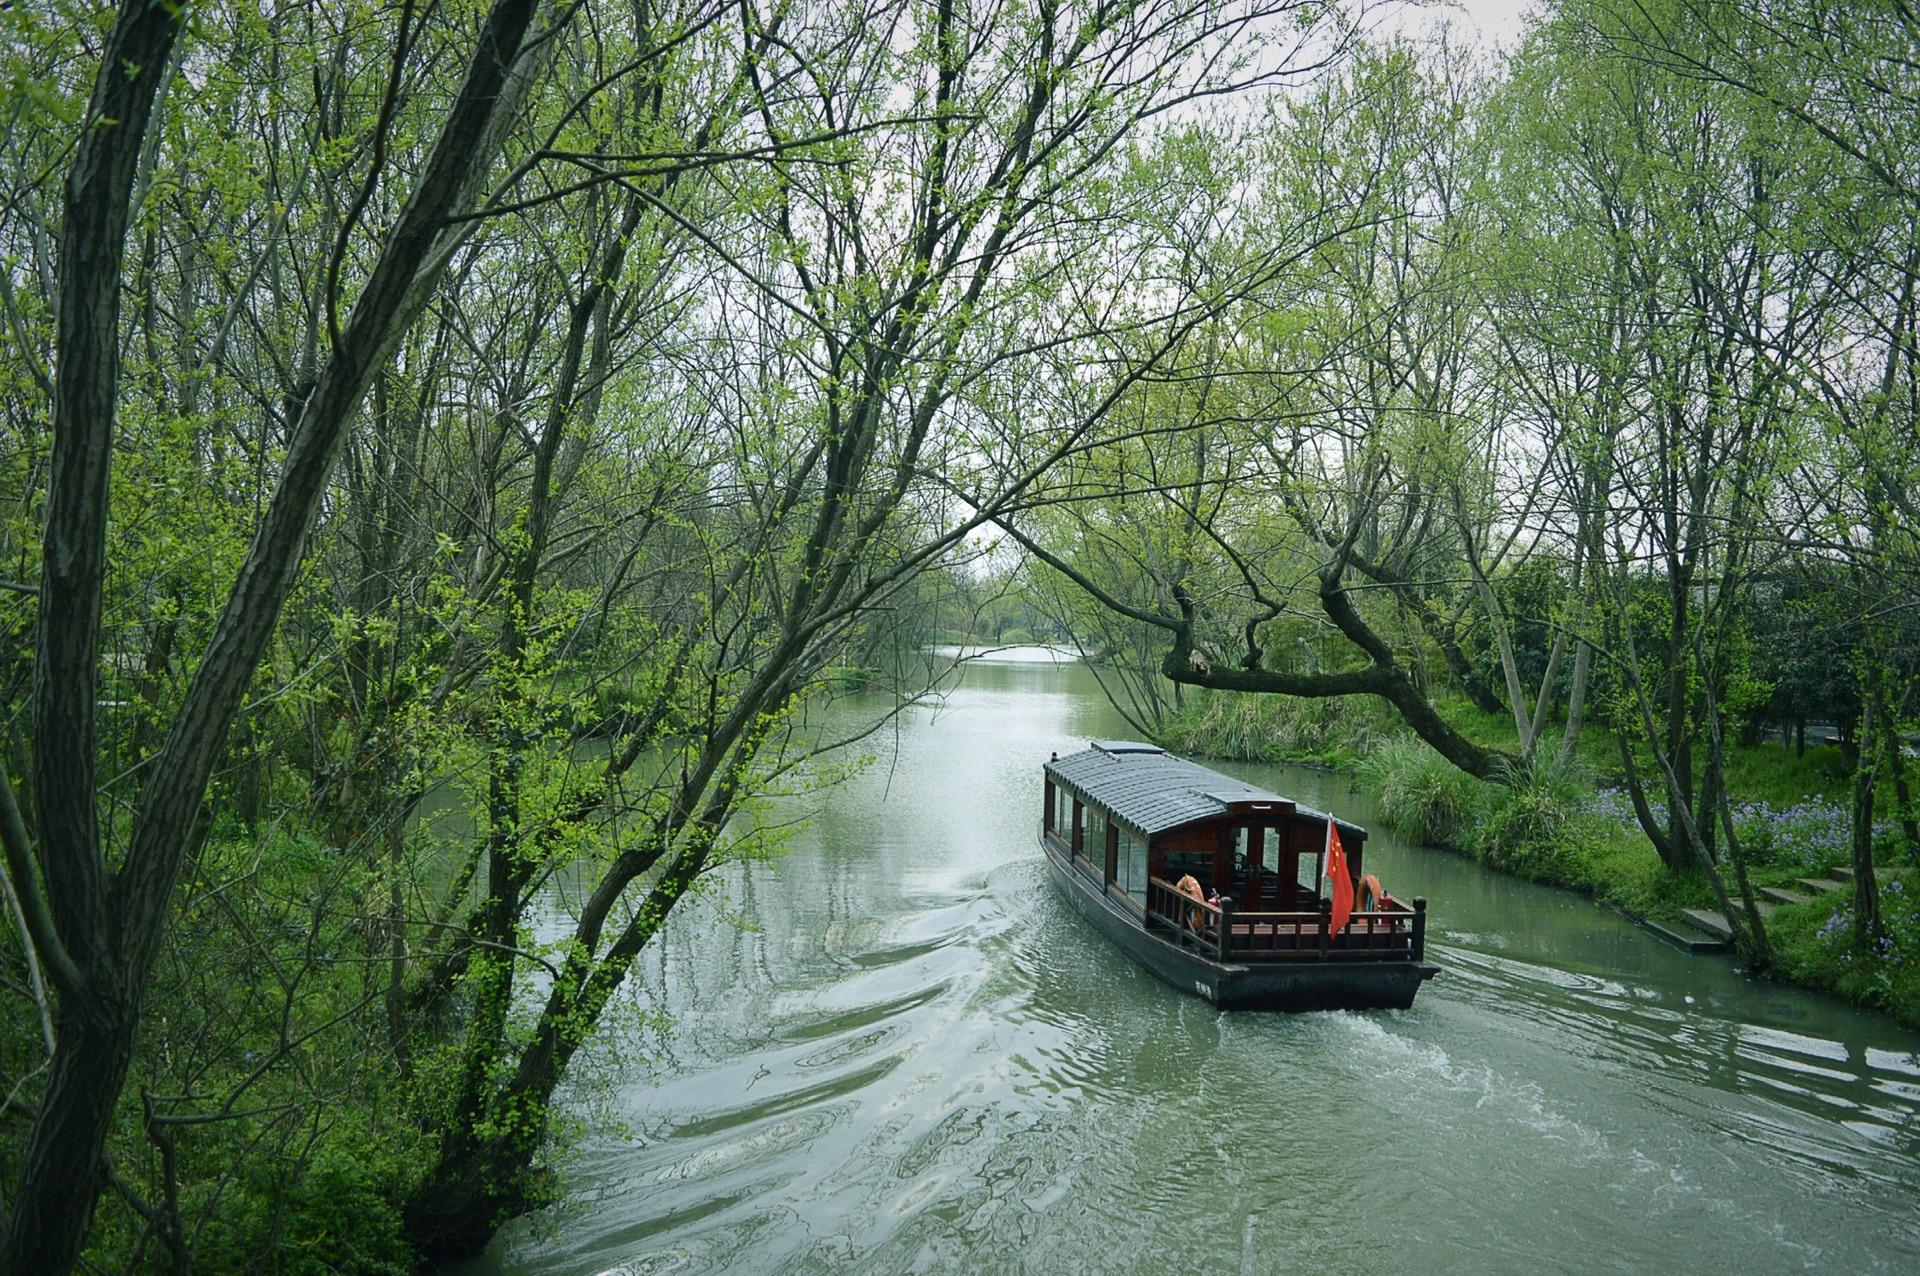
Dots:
(899, 269)
(666, 352)
(1710, 261)
(96, 893)
(1838, 87)
(1352, 460)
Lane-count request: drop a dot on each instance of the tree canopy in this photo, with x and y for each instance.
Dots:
(449, 454)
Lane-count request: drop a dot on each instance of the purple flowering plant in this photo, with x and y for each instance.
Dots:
(1885, 972)
(1812, 835)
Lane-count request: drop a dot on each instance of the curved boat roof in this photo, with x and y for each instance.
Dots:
(1151, 790)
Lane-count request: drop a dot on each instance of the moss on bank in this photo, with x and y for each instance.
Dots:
(1566, 826)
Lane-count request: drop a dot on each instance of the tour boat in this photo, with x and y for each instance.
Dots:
(1127, 826)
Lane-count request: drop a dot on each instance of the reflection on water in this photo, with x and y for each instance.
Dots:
(918, 1059)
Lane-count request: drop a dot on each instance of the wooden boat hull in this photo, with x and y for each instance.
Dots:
(1300, 983)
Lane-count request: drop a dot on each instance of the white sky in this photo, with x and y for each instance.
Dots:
(1496, 21)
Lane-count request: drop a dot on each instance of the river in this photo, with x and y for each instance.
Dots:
(894, 1049)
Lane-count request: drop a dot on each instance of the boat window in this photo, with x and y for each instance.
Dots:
(1309, 869)
(1093, 839)
(1133, 864)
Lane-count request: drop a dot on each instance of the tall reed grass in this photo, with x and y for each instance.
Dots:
(1268, 728)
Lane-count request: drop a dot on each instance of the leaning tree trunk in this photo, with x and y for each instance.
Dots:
(106, 926)
(99, 1006)
(1757, 951)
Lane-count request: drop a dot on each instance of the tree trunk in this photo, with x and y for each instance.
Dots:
(112, 923)
(1866, 888)
(1679, 746)
(1484, 697)
(1576, 704)
(1509, 670)
(481, 1177)
(98, 1012)
(1709, 803)
(1385, 677)
(1671, 854)
(1757, 951)
(1897, 769)
(1543, 698)
(49, 1223)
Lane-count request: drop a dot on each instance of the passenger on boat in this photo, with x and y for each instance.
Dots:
(1196, 918)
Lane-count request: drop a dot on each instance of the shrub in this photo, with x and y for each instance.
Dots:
(1422, 797)
(1224, 725)
(1270, 728)
(1531, 825)
(850, 677)
(1814, 945)
(338, 1213)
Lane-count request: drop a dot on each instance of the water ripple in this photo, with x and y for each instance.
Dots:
(923, 1061)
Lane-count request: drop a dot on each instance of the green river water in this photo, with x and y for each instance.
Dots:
(896, 1050)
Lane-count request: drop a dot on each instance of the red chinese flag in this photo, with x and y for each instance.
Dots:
(1342, 881)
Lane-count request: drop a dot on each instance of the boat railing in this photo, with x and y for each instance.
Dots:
(1393, 931)
(1195, 918)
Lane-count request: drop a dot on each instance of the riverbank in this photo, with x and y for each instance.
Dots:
(1572, 827)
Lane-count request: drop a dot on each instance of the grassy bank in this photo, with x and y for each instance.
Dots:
(1571, 826)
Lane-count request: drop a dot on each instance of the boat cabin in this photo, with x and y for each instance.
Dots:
(1131, 821)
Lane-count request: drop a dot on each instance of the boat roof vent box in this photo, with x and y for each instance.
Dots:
(1125, 746)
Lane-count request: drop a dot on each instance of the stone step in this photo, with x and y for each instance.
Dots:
(1881, 873)
(1685, 937)
(1820, 885)
(1709, 921)
(1781, 895)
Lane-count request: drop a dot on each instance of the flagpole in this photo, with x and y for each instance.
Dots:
(1340, 892)
(1326, 885)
